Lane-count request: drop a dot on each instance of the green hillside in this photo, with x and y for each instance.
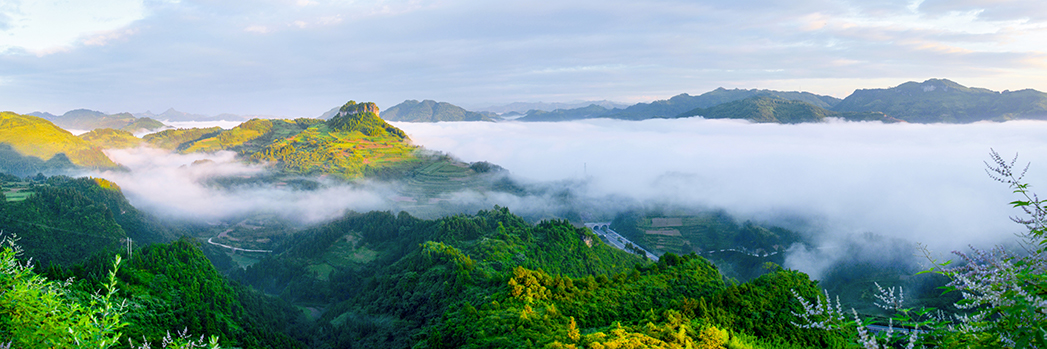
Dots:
(143, 124)
(180, 139)
(36, 137)
(768, 109)
(677, 105)
(107, 138)
(941, 100)
(684, 102)
(355, 142)
(592, 111)
(379, 280)
(432, 111)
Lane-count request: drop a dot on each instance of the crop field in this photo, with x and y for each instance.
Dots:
(17, 191)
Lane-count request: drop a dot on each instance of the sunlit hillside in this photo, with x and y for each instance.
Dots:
(33, 136)
(107, 138)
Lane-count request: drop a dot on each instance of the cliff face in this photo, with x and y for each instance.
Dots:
(352, 108)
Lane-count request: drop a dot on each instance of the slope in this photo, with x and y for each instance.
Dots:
(33, 136)
(941, 100)
(432, 111)
(107, 138)
(769, 109)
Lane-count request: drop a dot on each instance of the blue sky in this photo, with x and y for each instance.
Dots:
(303, 57)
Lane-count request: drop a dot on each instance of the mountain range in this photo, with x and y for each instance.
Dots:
(931, 101)
(84, 119)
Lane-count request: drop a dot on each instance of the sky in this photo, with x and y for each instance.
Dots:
(303, 57)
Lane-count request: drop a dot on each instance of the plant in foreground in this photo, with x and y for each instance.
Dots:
(1004, 294)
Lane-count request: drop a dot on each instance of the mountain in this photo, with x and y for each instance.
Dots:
(941, 100)
(173, 115)
(432, 111)
(31, 136)
(523, 107)
(354, 142)
(675, 106)
(143, 124)
(684, 102)
(769, 109)
(592, 111)
(107, 138)
(84, 119)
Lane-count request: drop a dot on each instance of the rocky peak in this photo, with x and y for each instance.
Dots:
(353, 108)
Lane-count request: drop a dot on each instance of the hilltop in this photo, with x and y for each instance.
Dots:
(942, 100)
(354, 142)
(432, 111)
(39, 144)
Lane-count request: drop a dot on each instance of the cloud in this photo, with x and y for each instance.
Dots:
(182, 187)
(919, 183)
(208, 56)
(47, 27)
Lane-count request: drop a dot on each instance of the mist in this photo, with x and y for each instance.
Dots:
(914, 182)
(178, 186)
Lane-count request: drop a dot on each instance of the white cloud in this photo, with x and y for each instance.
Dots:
(921, 183)
(45, 27)
(175, 185)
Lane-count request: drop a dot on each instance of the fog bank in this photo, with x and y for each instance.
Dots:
(920, 183)
(180, 186)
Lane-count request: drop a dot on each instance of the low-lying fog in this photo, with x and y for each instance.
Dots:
(918, 183)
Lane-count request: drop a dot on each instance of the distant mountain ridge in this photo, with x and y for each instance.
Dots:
(524, 107)
(85, 119)
(771, 109)
(674, 106)
(53, 148)
(433, 111)
(942, 100)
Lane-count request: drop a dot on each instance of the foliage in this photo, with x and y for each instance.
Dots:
(1004, 294)
(40, 313)
(341, 146)
(234, 137)
(740, 249)
(68, 220)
